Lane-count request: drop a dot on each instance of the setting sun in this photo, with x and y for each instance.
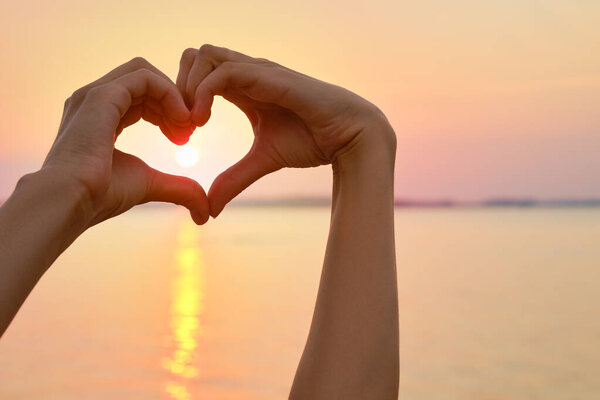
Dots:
(187, 156)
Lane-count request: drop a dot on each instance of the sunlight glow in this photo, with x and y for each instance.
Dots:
(187, 156)
(186, 309)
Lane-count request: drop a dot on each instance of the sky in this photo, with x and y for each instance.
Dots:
(496, 98)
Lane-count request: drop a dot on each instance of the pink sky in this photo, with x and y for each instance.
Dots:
(494, 98)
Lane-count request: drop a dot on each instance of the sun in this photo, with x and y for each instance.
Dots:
(187, 156)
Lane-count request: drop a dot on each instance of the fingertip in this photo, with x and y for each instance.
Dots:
(216, 207)
(200, 117)
(179, 140)
(216, 214)
(197, 204)
(183, 135)
(199, 217)
(201, 212)
(188, 131)
(176, 134)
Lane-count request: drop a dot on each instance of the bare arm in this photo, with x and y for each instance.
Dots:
(85, 180)
(298, 122)
(40, 219)
(352, 348)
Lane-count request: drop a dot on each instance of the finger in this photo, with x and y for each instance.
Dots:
(142, 111)
(185, 65)
(159, 109)
(173, 130)
(133, 115)
(228, 76)
(236, 178)
(263, 83)
(144, 83)
(132, 65)
(206, 59)
(114, 99)
(179, 190)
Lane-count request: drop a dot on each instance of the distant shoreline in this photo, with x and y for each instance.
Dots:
(403, 203)
(408, 203)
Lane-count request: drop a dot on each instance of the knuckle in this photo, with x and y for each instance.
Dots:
(280, 68)
(104, 92)
(143, 72)
(206, 49)
(139, 62)
(227, 66)
(96, 92)
(188, 53)
(78, 95)
(263, 61)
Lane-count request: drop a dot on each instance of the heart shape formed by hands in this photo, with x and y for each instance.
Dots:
(298, 122)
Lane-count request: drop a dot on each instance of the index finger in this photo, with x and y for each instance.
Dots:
(263, 83)
(132, 65)
(206, 59)
(112, 100)
(185, 64)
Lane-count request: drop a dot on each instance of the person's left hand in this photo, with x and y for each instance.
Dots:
(112, 182)
(298, 121)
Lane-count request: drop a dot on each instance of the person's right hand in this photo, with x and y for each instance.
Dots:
(298, 121)
(109, 181)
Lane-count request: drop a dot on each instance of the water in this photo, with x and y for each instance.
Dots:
(494, 304)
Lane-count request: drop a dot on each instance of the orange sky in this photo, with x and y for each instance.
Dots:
(488, 98)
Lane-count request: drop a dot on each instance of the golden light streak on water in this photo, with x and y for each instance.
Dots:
(186, 310)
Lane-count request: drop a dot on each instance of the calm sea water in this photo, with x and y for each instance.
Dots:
(494, 304)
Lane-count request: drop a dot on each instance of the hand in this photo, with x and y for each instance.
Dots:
(113, 181)
(298, 121)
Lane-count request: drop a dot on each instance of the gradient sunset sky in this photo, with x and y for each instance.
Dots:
(488, 98)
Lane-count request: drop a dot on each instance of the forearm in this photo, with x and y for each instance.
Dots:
(352, 351)
(39, 220)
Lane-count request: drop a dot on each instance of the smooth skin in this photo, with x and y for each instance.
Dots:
(85, 180)
(352, 351)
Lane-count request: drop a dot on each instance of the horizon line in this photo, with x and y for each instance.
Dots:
(491, 202)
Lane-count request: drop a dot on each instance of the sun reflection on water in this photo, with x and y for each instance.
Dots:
(186, 309)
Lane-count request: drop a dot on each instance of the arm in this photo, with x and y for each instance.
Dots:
(85, 180)
(352, 348)
(39, 220)
(298, 122)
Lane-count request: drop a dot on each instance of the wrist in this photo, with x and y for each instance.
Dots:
(371, 151)
(49, 187)
(41, 218)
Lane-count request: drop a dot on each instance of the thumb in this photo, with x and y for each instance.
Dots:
(178, 190)
(236, 178)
